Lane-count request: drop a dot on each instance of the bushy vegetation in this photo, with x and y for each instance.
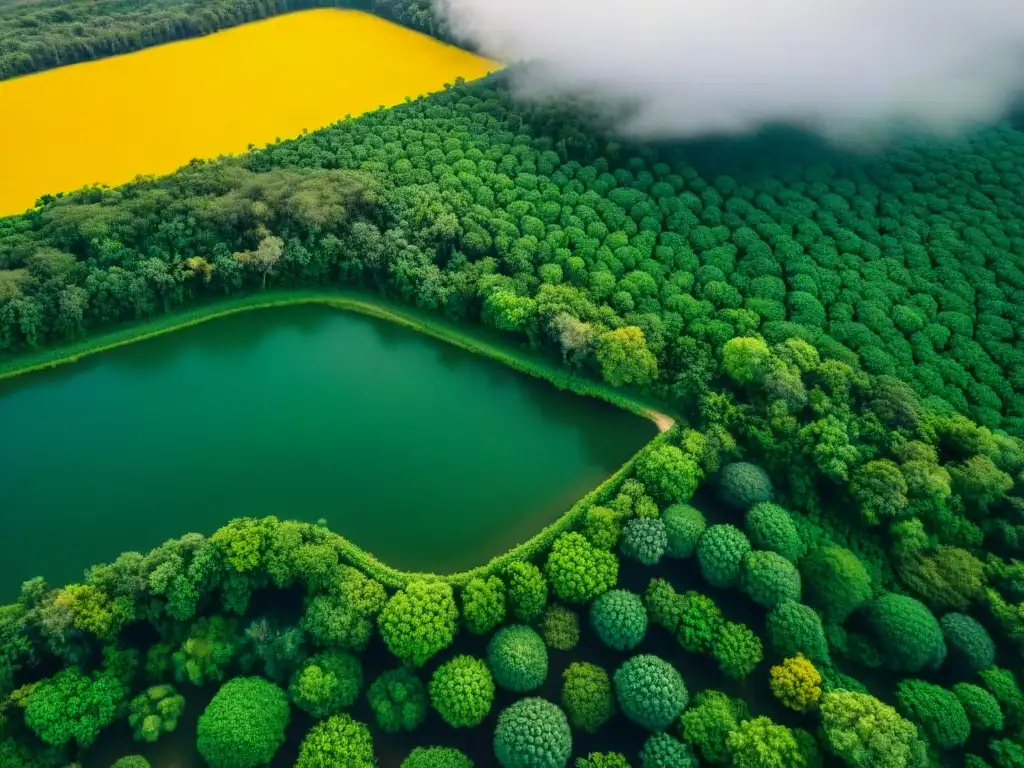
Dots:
(650, 691)
(462, 691)
(532, 733)
(587, 696)
(619, 619)
(518, 658)
(243, 726)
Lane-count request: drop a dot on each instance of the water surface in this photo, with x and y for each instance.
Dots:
(429, 457)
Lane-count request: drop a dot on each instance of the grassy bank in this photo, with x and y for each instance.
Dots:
(363, 303)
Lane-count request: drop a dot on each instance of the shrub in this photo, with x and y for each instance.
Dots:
(909, 634)
(337, 741)
(1002, 684)
(769, 578)
(527, 590)
(644, 540)
(155, 712)
(938, 712)
(683, 528)
(796, 683)
(742, 484)
(1006, 753)
(579, 571)
(436, 757)
(650, 691)
(532, 733)
(334, 622)
(982, 709)
(243, 725)
(72, 707)
(664, 605)
(603, 760)
(327, 683)
(561, 628)
(968, 641)
(132, 761)
(619, 619)
(419, 621)
(720, 554)
(668, 474)
(587, 696)
(771, 527)
(700, 621)
(663, 751)
(760, 743)
(462, 691)
(518, 658)
(737, 650)
(836, 582)
(867, 733)
(795, 628)
(398, 700)
(483, 604)
(707, 724)
(602, 527)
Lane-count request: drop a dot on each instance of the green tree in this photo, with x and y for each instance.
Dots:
(644, 540)
(663, 751)
(836, 582)
(327, 683)
(462, 691)
(737, 650)
(771, 527)
(243, 726)
(155, 712)
(625, 358)
(561, 628)
(483, 604)
(908, 632)
(527, 590)
(746, 360)
(742, 484)
(769, 578)
(936, 711)
(419, 621)
(398, 700)
(707, 724)
(700, 621)
(518, 658)
(337, 741)
(683, 527)
(580, 572)
(670, 475)
(980, 706)
(587, 696)
(73, 707)
(650, 691)
(436, 757)
(532, 733)
(968, 641)
(760, 743)
(867, 733)
(720, 554)
(619, 619)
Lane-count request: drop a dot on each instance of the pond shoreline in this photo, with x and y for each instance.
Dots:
(364, 304)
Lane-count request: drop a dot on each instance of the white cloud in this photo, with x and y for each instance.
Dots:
(849, 69)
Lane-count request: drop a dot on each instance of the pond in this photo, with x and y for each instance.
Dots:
(425, 455)
(152, 111)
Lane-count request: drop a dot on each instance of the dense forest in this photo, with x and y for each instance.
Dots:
(36, 35)
(822, 566)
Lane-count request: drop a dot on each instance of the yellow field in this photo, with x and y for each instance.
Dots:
(151, 112)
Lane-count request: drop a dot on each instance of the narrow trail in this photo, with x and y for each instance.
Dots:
(663, 421)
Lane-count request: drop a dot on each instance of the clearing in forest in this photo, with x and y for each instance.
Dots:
(152, 111)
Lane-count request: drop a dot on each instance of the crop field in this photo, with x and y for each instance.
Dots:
(209, 96)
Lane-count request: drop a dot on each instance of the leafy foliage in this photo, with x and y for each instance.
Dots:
(742, 484)
(981, 707)
(737, 650)
(337, 741)
(532, 733)
(866, 733)
(760, 743)
(561, 628)
(683, 527)
(700, 621)
(619, 619)
(663, 751)
(650, 691)
(937, 711)
(579, 571)
(419, 621)
(327, 683)
(707, 724)
(155, 712)
(837, 582)
(644, 540)
(720, 554)
(72, 707)
(518, 658)
(968, 640)
(769, 578)
(483, 604)
(796, 683)
(527, 590)
(587, 696)
(462, 691)
(909, 634)
(771, 527)
(795, 628)
(243, 725)
(436, 757)
(398, 700)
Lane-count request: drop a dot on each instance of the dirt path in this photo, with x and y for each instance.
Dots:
(662, 420)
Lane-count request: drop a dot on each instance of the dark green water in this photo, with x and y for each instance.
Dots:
(427, 456)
